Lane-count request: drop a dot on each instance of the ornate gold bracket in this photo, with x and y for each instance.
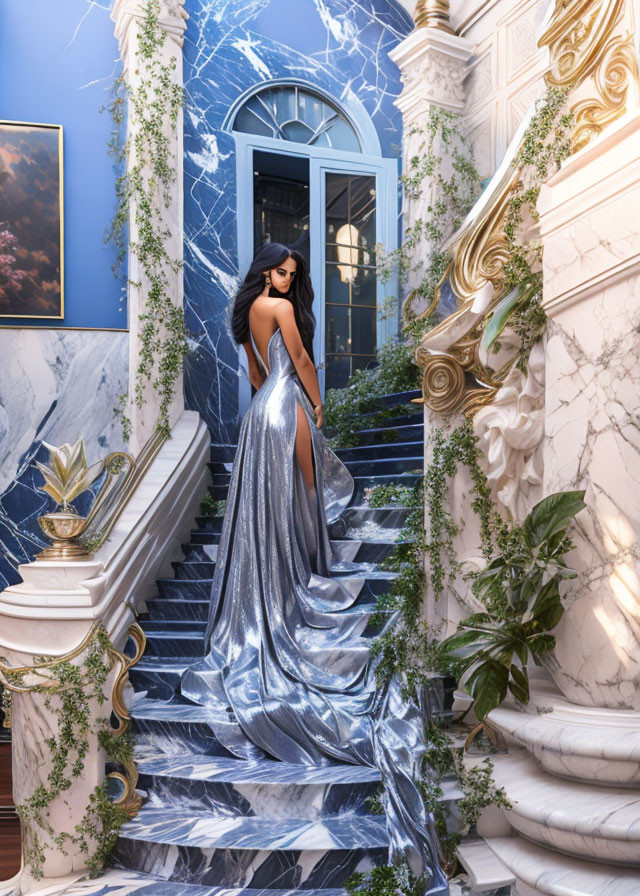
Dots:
(130, 801)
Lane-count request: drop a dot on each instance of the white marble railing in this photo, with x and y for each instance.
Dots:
(58, 603)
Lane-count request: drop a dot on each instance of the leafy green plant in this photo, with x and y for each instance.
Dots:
(72, 691)
(155, 101)
(520, 590)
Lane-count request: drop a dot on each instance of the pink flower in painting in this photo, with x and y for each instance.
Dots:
(10, 277)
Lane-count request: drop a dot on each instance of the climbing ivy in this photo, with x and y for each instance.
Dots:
(71, 692)
(144, 189)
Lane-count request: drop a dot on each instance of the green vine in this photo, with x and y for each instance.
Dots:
(71, 692)
(154, 101)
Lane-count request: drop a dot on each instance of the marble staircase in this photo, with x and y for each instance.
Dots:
(211, 822)
(572, 775)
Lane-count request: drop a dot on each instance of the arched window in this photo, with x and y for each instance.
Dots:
(289, 112)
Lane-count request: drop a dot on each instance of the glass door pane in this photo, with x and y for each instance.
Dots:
(350, 275)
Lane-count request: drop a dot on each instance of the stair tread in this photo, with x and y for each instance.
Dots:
(178, 826)
(265, 771)
(564, 804)
(120, 881)
(554, 874)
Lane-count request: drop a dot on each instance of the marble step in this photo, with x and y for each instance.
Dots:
(395, 398)
(185, 637)
(593, 744)
(194, 847)
(413, 463)
(223, 451)
(121, 882)
(219, 491)
(364, 482)
(390, 516)
(263, 788)
(379, 451)
(359, 550)
(202, 570)
(404, 432)
(189, 586)
(173, 728)
(544, 872)
(487, 873)
(404, 416)
(593, 822)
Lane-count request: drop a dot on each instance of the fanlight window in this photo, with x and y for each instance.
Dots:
(292, 113)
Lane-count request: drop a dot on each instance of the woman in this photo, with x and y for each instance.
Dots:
(288, 673)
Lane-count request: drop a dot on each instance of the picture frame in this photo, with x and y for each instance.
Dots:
(31, 220)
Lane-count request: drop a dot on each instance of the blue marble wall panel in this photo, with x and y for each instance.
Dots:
(339, 46)
(55, 386)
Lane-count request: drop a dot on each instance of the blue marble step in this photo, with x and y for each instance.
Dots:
(219, 492)
(190, 569)
(367, 481)
(187, 585)
(220, 468)
(173, 727)
(221, 478)
(395, 398)
(413, 464)
(223, 451)
(209, 523)
(122, 882)
(179, 637)
(389, 517)
(193, 847)
(379, 451)
(383, 435)
(405, 416)
(262, 788)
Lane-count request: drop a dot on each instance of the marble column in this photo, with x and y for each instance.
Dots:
(127, 16)
(591, 233)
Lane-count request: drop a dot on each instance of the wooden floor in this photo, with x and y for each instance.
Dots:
(9, 824)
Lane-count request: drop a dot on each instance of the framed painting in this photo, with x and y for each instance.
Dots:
(31, 220)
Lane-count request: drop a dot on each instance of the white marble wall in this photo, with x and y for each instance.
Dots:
(591, 234)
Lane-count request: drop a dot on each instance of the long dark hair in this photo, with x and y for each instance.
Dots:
(300, 294)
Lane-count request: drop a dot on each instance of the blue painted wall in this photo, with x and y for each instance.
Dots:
(337, 45)
(57, 63)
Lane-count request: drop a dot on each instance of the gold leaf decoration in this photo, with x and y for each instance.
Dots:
(68, 476)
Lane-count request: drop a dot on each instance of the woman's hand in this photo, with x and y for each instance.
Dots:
(319, 415)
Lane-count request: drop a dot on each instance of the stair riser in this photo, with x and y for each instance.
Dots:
(379, 451)
(280, 869)
(619, 851)
(409, 432)
(387, 517)
(178, 645)
(277, 801)
(387, 466)
(202, 569)
(177, 738)
(362, 483)
(219, 491)
(185, 590)
(366, 553)
(402, 418)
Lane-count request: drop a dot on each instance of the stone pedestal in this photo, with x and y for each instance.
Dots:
(591, 233)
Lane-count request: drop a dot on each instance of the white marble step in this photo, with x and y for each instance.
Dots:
(541, 872)
(585, 742)
(485, 870)
(598, 823)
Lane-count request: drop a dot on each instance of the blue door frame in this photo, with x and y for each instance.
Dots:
(321, 161)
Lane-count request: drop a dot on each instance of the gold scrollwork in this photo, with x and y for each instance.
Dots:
(592, 115)
(576, 34)
(443, 382)
(129, 800)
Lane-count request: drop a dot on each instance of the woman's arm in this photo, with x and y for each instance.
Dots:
(299, 355)
(257, 375)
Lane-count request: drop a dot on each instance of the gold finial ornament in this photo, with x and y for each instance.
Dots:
(433, 14)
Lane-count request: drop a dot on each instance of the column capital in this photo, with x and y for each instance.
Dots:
(433, 65)
(126, 13)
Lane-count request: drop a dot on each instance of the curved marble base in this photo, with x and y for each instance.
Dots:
(596, 823)
(592, 744)
(541, 872)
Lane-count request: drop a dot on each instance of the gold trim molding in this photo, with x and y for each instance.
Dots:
(433, 14)
(587, 39)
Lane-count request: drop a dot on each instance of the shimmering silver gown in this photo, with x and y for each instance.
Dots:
(288, 673)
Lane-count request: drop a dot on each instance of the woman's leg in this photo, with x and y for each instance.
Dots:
(304, 449)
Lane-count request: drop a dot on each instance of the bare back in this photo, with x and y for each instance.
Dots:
(263, 323)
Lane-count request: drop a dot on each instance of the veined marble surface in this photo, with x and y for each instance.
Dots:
(55, 386)
(338, 46)
(593, 442)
